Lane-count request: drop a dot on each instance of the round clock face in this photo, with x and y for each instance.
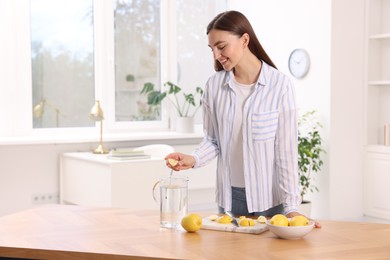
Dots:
(299, 63)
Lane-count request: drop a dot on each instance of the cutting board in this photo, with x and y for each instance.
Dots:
(213, 225)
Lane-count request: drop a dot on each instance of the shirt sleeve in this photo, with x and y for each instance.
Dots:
(286, 151)
(208, 149)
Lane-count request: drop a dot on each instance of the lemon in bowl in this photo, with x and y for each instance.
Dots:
(279, 220)
(297, 227)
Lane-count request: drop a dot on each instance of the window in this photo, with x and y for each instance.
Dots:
(193, 53)
(137, 56)
(62, 63)
(72, 52)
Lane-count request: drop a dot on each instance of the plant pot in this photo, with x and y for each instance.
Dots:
(185, 124)
(305, 208)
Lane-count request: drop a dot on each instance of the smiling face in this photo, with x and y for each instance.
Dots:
(227, 48)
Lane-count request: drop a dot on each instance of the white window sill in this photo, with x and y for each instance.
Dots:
(89, 137)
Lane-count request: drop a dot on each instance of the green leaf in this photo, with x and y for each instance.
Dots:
(190, 99)
(173, 89)
(148, 87)
(155, 97)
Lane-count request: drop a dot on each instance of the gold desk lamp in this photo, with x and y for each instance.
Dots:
(96, 114)
(39, 109)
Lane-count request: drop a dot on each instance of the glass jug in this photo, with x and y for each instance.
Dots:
(173, 200)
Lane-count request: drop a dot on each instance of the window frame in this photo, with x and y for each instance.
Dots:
(16, 80)
(167, 66)
(19, 100)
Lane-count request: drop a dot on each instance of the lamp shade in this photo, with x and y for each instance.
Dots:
(96, 113)
(38, 109)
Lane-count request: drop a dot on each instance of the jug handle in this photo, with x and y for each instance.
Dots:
(154, 190)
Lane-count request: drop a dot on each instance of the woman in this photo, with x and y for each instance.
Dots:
(250, 124)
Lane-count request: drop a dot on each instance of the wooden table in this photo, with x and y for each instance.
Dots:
(75, 232)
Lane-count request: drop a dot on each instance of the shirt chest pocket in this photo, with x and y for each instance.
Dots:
(264, 125)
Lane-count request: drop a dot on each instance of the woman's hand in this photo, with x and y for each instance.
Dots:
(293, 214)
(184, 161)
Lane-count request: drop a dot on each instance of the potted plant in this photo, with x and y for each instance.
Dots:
(309, 155)
(131, 80)
(185, 106)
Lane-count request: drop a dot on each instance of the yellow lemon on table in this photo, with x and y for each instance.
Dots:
(192, 222)
(247, 222)
(172, 162)
(279, 220)
(225, 219)
(299, 221)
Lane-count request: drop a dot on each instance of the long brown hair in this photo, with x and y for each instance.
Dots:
(237, 24)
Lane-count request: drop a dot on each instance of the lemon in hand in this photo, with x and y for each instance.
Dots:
(172, 162)
(299, 221)
(192, 222)
(279, 220)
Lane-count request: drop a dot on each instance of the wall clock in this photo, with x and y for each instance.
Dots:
(299, 63)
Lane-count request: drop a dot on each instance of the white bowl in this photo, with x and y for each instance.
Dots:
(295, 232)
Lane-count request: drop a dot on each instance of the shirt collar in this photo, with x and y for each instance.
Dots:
(262, 80)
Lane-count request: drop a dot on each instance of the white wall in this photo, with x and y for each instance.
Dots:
(346, 132)
(27, 170)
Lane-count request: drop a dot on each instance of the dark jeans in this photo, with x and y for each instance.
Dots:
(239, 207)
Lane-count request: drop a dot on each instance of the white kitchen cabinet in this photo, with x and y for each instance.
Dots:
(377, 109)
(377, 184)
(94, 180)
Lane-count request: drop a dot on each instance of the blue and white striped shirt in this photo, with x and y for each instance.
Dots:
(270, 139)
